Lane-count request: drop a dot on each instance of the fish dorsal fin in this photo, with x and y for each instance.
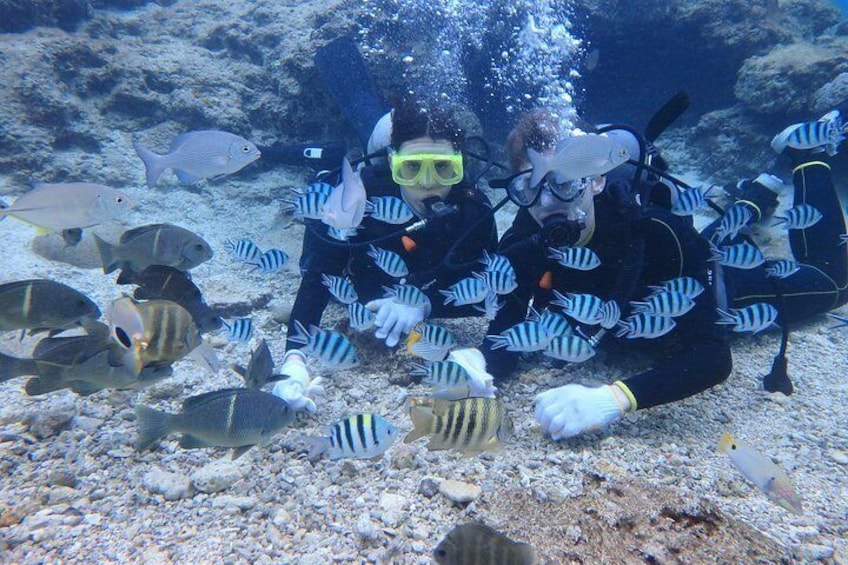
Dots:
(195, 402)
(133, 233)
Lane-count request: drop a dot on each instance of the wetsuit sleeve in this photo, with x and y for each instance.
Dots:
(317, 258)
(696, 354)
(703, 362)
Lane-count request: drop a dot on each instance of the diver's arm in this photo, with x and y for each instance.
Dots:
(317, 259)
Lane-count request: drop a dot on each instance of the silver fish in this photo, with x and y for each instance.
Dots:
(782, 269)
(199, 155)
(67, 206)
(361, 318)
(363, 436)
(741, 256)
(272, 261)
(341, 288)
(687, 285)
(571, 348)
(470, 290)
(734, 219)
(389, 209)
(390, 262)
(691, 200)
(579, 258)
(244, 250)
(799, 217)
(524, 337)
(240, 329)
(585, 308)
(430, 342)
(309, 206)
(666, 303)
(578, 157)
(754, 318)
(331, 348)
(645, 325)
(345, 206)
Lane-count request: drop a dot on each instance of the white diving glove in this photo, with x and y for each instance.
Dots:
(393, 319)
(479, 382)
(570, 410)
(298, 389)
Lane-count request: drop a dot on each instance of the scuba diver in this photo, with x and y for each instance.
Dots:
(641, 250)
(426, 206)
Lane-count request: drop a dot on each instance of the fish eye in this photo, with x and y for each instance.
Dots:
(119, 200)
(123, 338)
(198, 246)
(245, 149)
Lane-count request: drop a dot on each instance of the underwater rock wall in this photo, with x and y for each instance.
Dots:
(74, 99)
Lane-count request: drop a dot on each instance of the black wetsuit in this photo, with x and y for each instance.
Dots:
(428, 248)
(637, 249)
(820, 284)
(658, 246)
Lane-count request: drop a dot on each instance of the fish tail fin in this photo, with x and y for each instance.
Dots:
(422, 420)
(40, 385)
(498, 341)
(726, 442)
(154, 163)
(11, 367)
(318, 446)
(301, 335)
(107, 255)
(450, 297)
(206, 356)
(152, 426)
(725, 317)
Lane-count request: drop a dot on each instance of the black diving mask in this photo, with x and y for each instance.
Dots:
(520, 192)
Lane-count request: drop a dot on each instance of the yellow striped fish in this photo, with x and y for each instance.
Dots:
(155, 332)
(470, 425)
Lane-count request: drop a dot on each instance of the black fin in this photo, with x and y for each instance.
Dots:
(666, 115)
(348, 82)
(152, 425)
(239, 451)
(72, 236)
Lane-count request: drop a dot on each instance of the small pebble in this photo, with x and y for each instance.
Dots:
(839, 456)
(429, 486)
(458, 491)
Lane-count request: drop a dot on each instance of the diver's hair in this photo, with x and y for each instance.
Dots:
(414, 118)
(537, 130)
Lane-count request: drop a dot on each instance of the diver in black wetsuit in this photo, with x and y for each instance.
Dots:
(446, 203)
(639, 244)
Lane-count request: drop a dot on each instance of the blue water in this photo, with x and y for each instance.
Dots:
(842, 5)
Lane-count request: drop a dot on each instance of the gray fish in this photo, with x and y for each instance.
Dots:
(260, 369)
(345, 207)
(41, 305)
(68, 206)
(477, 544)
(237, 417)
(87, 364)
(578, 157)
(199, 155)
(154, 244)
(12, 367)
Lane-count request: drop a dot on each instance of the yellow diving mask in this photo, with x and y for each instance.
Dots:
(444, 169)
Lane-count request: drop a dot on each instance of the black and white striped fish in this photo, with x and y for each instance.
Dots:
(571, 348)
(741, 256)
(799, 217)
(578, 258)
(645, 325)
(496, 262)
(341, 235)
(240, 329)
(272, 261)
(244, 250)
(329, 347)
(389, 209)
(666, 303)
(691, 200)
(341, 288)
(491, 306)
(782, 269)
(523, 337)
(430, 342)
(754, 318)
(469, 290)
(442, 374)
(826, 133)
(554, 324)
(362, 436)
(361, 318)
(407, 295)
(585, 308)
(499, 281)
(309, 205)
(319, 187)
(687, 285)
(390, 262)
(610, 314)
(734, 219)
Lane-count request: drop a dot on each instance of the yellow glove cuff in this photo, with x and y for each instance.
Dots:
(623, 388)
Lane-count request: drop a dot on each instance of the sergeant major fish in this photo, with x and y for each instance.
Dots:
(199, 155)
(430, 342)
(331, 348)
(239, 418)
(824, 134)
(362, 436)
